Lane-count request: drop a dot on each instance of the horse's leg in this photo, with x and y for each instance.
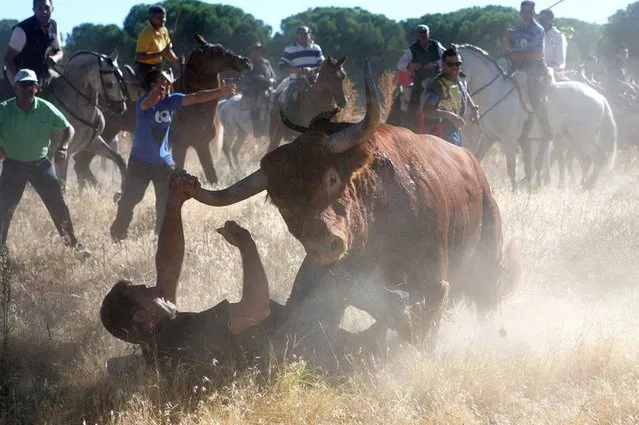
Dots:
(228, 142)
(526, 149)
(99, 147)
(558, 155)
(204, 154)
(541, 163)
(240, 139)
(511, 165)
(570, 162)
(82, 169)
(178, 152)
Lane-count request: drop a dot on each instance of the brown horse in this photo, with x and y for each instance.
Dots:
(324, 95)
(193, 126)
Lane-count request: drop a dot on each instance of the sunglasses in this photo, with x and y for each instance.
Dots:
(453, 64)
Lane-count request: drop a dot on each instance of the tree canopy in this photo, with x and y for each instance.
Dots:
(353, 32)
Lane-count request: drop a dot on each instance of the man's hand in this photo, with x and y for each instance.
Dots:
(157, 94)
(60, 155)
(431, 65)
(235, 234)
(50, 62)
(3, 154)
(414, 66)
(182, 186)
(228, 90)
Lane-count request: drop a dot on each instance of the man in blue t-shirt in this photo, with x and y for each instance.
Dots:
(525, 45)
(151, 159)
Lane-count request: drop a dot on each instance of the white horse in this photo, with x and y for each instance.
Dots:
(580, 118)
(90, 84)
(237, 124)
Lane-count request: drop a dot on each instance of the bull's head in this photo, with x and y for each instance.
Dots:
(309, 181)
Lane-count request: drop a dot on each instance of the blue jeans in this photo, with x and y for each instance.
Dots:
(41, 175)
(138, 176)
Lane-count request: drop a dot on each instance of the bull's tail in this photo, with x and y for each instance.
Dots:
(511, 271)
(608, 135)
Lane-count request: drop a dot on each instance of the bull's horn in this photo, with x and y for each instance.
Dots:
(360, 132)
(290, 124)
(244, 189)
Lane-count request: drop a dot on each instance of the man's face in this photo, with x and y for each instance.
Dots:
(26, 90)
(42, 10)
(451, 67)
(545, 21)
(527, 14)
(158, 19)
(161, 82)
(423, 37)
(303, 37)
(624, 54)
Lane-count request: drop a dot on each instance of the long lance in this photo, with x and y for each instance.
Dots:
(175, 27)
(555, 4)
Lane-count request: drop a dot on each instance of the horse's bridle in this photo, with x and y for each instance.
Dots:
(110, 102)
(115, 70)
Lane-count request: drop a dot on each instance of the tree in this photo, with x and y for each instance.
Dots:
(99, 38)
(621, 29)
(6, 26)
(227, 25)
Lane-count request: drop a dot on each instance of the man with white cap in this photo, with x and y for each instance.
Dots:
(26, 123)
(151, 159)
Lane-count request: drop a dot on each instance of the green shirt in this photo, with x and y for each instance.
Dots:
(26, 136)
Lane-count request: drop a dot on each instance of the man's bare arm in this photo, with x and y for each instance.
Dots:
(170, 253)
(9, 63)
(254, 306)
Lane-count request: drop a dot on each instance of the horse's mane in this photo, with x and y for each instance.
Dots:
(485, 54)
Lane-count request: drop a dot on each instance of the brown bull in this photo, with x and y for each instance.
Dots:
(415, 210)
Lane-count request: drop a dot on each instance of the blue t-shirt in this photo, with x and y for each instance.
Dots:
(151, 139)
(525, 40)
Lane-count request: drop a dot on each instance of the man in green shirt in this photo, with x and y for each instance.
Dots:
(26, 123)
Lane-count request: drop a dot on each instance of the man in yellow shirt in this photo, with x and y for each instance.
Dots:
(154, 43)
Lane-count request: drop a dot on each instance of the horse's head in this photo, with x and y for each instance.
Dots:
(209, 59)
(330, 79)
(134, 89)
(110, 85)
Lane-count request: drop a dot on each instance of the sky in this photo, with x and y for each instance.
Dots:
(69, 13)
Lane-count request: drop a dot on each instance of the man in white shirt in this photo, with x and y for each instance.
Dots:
(555, 48)
(35, 43)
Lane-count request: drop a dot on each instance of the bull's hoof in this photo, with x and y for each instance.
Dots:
(116, 197)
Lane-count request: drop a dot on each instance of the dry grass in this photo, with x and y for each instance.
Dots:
(571, 355)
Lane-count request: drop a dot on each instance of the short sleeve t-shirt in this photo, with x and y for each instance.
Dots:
(151, 40)
(526, 39)
(151, 139)
(26, 136)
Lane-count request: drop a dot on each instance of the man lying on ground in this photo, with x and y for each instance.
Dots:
(221, 338)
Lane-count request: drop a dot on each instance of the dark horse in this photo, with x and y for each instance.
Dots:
(324, 95)
(193, 126)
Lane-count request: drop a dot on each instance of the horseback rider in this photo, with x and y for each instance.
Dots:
(422, 59)
(154, 44)
(525, 45)
(34, 44)
(588, 73)
(446, 98)
(555, 40)
(621, 87)
(302, 57)
(256, 84)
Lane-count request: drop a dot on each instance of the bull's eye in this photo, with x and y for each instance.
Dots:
(331, 180)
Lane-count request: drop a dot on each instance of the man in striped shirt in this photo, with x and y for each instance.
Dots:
(302, 56)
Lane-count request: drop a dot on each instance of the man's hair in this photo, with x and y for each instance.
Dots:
(117, 312)
(151, 77)
(303, 28)
(527, 3)
(35, 2)
(155, 9)
(548, 13)
(451, 51)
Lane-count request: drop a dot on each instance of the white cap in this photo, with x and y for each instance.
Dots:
(25, 75)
